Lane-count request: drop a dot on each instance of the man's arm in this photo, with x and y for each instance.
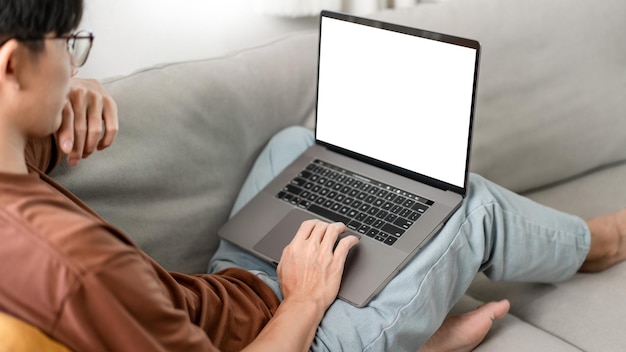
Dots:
(310, 273)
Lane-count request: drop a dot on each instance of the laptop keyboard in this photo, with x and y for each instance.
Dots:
(366, 206)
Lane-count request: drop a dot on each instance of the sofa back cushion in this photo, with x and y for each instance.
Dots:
(552, 83)
(189, 132)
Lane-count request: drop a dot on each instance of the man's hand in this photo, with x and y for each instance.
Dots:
(89, 120)
(309, 269)
(310, 273)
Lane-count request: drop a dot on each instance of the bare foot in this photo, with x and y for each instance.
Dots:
(460, 333)
(608, 242)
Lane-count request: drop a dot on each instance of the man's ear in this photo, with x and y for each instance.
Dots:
(9, 56)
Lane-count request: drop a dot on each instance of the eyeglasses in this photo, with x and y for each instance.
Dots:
(78, 45)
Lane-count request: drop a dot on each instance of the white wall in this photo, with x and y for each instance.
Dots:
(131, 34)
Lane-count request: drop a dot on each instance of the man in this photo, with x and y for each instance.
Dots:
(84, 283)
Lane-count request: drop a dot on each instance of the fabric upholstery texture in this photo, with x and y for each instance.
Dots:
(547, 68)
(188, 134)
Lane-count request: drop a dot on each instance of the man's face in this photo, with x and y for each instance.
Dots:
(46, 85)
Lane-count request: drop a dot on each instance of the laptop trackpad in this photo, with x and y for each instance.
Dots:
(272, 244)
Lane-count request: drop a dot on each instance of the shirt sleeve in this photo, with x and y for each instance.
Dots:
(130, 305)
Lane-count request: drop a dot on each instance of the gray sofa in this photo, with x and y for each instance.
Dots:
(550, 124)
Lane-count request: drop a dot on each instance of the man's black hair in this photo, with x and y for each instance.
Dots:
(33, 19)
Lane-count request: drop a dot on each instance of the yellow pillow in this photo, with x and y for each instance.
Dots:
(18, 336)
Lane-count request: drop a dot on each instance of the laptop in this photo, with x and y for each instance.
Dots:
(391, 155)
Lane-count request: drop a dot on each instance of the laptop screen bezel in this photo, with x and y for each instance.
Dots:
(469, 43)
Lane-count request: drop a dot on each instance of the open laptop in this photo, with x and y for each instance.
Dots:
(391, 157)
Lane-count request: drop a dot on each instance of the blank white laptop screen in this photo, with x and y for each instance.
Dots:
(409, 98)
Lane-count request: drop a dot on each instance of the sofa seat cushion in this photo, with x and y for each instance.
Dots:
(512, 334)
(585, 311)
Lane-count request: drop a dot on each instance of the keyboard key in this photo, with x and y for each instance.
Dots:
(382, 214)
(405, 213)
(403, 223)
(353, 225)
(361, 217)
(370, 199)
(364, 229)
(390, 240)
(414, 216)
(298, 181)
(293, 189)
(372, 233)
(420, 208)
(399, 200)
(394, 230)
(391, 217)
(328, 214)
(380, 238)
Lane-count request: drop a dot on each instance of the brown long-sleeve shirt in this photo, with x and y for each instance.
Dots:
(82, 281)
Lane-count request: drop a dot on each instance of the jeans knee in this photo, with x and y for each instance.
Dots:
(292, 134)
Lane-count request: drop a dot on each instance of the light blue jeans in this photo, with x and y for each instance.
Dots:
(504, 235)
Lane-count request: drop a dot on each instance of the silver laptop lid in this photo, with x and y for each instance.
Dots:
(398, 97)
